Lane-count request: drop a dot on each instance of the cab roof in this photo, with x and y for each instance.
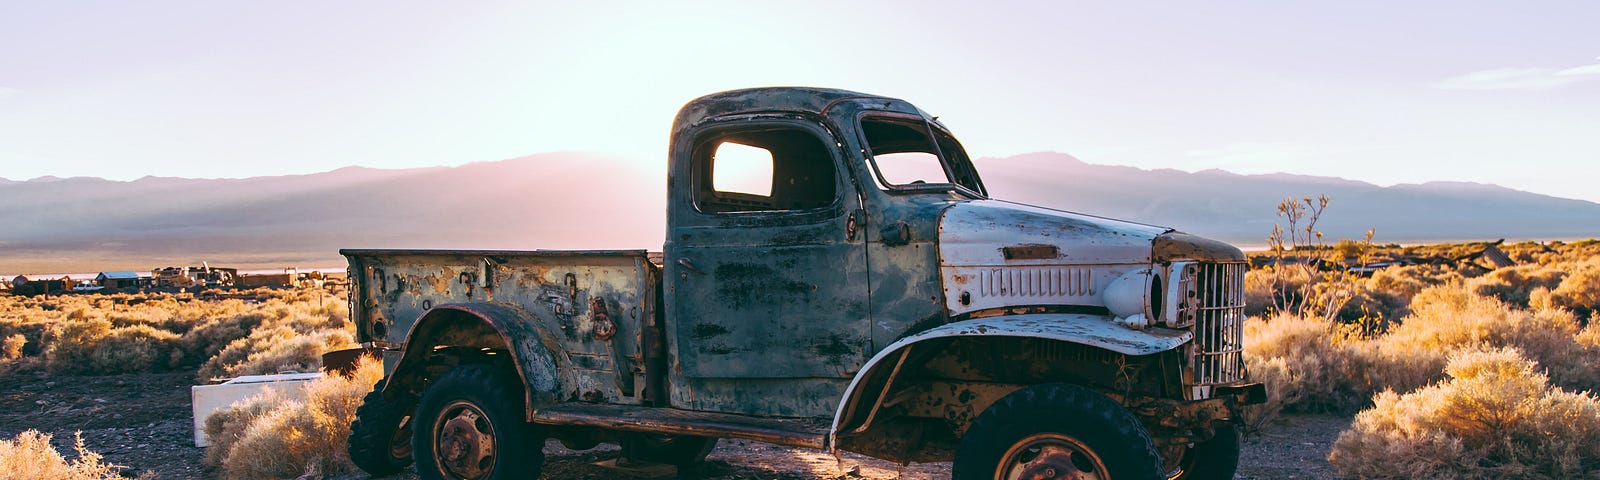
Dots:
(811, 100)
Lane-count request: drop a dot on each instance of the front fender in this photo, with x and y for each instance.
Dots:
(535, 353)
(1092, 330)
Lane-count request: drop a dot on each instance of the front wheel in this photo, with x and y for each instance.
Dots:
(469, 426)
(1214, 459)
(1056, 431)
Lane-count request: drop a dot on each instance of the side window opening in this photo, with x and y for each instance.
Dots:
(764, 170)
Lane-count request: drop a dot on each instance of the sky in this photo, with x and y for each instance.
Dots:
(1382, 92)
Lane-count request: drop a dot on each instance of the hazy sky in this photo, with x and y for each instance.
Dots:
(1385, 92)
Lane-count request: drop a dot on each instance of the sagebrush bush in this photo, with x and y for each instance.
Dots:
(274, 350)
(1309, 364)
(11, 347)
(1446, 319)
(268, 437)
(1514, 284)
(1580, 291)
(155, 331)
(30, 456)
(94, 346)
(1496, 417)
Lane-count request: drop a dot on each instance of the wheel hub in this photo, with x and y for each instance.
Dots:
(465, 445)
(1051, 456)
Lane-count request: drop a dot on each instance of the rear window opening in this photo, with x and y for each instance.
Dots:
(772, 169)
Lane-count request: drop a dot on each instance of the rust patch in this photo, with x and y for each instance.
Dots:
(1031, 252)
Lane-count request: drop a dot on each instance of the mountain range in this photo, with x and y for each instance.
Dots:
(578, 201)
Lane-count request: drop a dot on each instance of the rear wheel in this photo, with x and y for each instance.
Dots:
(470, 426)
(1056, 431)
(380, 436)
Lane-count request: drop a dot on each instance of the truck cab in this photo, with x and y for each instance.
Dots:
(835, 275)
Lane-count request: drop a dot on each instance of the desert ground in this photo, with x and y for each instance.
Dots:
(1471, 361)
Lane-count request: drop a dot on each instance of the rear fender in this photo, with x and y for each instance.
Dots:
(1097, 331)
(487, 327)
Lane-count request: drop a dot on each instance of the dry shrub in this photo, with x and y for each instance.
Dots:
(94, 346)
(267, 437)
(275, 350)
(138, 326)
(1496, 417)
(1580, 291)
(1308, 364)
(1514, 284)
(11, 347)
(30, 456)
(1446, 319)
(1258, 291)
(210, 336)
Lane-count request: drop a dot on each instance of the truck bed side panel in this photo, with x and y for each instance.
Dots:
(396, 287)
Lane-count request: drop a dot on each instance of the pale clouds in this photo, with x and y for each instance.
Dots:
(1521, 78)
(7, 91)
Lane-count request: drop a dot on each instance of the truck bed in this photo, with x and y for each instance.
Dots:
(561, 289)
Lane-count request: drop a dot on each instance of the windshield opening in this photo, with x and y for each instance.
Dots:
(908, 154)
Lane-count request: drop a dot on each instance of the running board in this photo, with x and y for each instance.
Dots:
(791, 432)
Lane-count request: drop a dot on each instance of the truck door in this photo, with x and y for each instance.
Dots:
(766, 273)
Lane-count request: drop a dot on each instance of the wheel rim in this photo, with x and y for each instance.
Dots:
(464, 441)
(1047, 456)
(400, 441)
(1185, 460)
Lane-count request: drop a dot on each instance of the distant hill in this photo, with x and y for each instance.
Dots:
(575, 201)
(1241, 208)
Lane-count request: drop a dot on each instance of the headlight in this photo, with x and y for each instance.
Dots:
(1136, 298)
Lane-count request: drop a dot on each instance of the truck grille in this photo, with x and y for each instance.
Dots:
(1219, 325)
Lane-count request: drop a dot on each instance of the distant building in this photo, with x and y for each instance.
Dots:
(119, 280)
(22, 285)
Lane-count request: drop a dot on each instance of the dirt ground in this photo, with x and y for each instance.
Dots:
(143, 421)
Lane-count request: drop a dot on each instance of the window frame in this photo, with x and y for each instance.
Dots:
(704, 148)
(934, 137)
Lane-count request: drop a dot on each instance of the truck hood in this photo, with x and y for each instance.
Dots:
(996, 232)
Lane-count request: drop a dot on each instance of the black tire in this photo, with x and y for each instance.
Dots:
(680, 450)
(469, 425)
(1214, 459)
(380, 437)
(1062, 427)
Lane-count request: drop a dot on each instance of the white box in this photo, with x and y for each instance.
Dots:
(210, 398)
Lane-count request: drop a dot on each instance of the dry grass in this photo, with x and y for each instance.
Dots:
(30, 456)
(1496, 417)
(267, 437)
(123, 333)
(1311, 364)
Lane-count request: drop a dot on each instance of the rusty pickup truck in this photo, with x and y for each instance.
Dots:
(835, 276)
